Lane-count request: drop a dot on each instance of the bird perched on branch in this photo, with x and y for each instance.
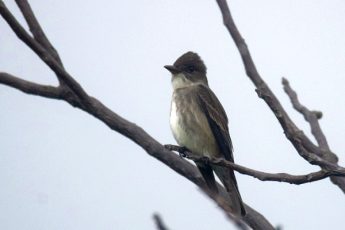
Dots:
(199, 123)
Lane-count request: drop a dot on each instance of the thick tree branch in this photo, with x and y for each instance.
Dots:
(263, 176)
(304, 146)
(151, 146)
(179, 165)
(94, 107)
(41, 46)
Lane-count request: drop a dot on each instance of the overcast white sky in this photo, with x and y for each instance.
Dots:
(62, 169)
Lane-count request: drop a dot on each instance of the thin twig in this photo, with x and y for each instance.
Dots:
(60, 93)
(38, 32)
(159, 222)
(263, 176)
(36, 29)
(310, 116)
(43, 54)
(30, 87)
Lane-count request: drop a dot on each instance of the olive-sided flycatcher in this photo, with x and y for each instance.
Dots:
(199, 123)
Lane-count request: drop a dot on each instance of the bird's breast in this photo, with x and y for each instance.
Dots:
(190, 127)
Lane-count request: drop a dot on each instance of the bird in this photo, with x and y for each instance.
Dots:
(199, 123)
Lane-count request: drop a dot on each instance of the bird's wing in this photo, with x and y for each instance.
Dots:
(217, 120)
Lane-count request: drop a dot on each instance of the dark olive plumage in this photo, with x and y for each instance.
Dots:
(191, 61)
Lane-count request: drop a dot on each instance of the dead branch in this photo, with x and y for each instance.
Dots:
(75, 95)
(159, 222)
(263, 176)
(36, 29)
(30, 87)
(310, 116)
(303, 145)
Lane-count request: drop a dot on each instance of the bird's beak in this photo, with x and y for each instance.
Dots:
(172, 69)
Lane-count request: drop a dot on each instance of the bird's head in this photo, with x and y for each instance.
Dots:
(187, 70)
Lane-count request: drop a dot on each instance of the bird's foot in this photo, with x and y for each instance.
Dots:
(182, 151)
(169, 147)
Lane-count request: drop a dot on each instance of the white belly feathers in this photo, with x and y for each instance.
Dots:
(196, 137)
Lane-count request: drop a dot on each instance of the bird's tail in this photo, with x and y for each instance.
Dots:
(228, 179)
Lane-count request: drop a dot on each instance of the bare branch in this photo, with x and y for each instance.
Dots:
(304, 146)
(30, 87)
(91, 105)
(309, 116)
(263, 176)
(312, 118)
(135, 133)
(150, 145)
(254, 219)
(43, 54)
(94, 107)
(159, 222)
(36, 29)
(224, 204)
(61, 93)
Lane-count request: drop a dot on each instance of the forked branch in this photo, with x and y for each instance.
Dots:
(76, 96)
(263, 176)
(304, 146)
(71, 91)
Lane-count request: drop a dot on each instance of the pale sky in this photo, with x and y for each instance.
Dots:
(60, 168)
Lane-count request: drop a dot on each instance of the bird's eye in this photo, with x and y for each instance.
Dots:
(190, 69)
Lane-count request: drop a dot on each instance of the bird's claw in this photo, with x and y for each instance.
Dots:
(182, 154)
